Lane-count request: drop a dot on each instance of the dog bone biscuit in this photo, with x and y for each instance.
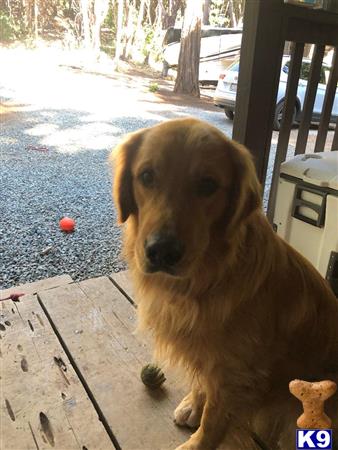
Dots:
(313, 396)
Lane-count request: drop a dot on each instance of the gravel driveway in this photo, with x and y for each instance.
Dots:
(57, 128)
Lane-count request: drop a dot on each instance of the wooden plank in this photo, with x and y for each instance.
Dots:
(43, 403)
(313, 16)
(284, 134)
(124, 283)
(40, 285)
(310, 96)
(300, 30)
(327, 104)
(104, 295)
(101, 294)
(110, 358)
(262, 47)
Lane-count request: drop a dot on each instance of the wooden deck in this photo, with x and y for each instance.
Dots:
(70, 371)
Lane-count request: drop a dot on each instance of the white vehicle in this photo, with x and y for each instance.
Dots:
(219, 47)
(225, 93)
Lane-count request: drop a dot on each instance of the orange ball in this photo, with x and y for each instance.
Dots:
(67, 224)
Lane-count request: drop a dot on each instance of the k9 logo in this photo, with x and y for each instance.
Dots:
(314, 439)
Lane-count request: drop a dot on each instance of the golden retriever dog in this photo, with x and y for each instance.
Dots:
(224, 297)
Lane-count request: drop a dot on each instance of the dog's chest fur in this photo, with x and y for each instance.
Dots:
(191, 334)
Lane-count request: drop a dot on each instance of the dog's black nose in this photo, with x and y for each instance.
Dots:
(163, 251)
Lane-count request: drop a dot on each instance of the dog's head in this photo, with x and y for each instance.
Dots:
(186, 188)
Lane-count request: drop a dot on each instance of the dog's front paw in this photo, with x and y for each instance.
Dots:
(188, 446)
(187, 413)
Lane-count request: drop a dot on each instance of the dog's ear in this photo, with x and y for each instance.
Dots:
(246, 191)
(121, 158)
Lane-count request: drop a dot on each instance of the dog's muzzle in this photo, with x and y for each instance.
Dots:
(163, 252)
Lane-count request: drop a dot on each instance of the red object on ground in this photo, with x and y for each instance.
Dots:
(67, 224)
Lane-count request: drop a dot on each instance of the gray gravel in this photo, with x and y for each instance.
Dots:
(40, 188)
(53, 158)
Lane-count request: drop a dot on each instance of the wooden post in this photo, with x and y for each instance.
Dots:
(260, 65)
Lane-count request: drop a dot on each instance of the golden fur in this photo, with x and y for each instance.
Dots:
(245, 313)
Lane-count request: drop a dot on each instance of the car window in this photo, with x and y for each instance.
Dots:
(209, 32)
(234, 67)
(305, 71)
(173, 35)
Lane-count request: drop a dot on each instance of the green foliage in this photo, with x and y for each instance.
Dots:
(8, 31)
(67, 8)
(108, 30)
(220, 12)
(153, 87)
(218, 15)
(108, 49)
(152, 44)
(148, 41)
(110, 19)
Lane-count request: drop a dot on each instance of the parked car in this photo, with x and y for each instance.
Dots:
(225, 93)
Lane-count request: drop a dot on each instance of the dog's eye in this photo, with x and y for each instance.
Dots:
(207, 186)
(147, 178)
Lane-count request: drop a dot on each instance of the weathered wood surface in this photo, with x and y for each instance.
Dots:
(96, 323)
(43, 403)
(123, 280)
(32, 288)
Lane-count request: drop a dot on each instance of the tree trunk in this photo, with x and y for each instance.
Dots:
(308, 50)
(160, 16)
(36, 14)
(233, 22)
(86, 24)
(150, 21)
(170, 19)
(28, 7)
(140, 19)
(119, 30)
(189, 58)
(138, 35)
(130, 30)
(239, 7)
(140, 16)
(206, 12)
(100, 12)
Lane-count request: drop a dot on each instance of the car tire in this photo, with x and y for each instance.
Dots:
(277, 122)
(229, 113)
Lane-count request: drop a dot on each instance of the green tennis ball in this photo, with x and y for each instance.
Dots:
(152, 376)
